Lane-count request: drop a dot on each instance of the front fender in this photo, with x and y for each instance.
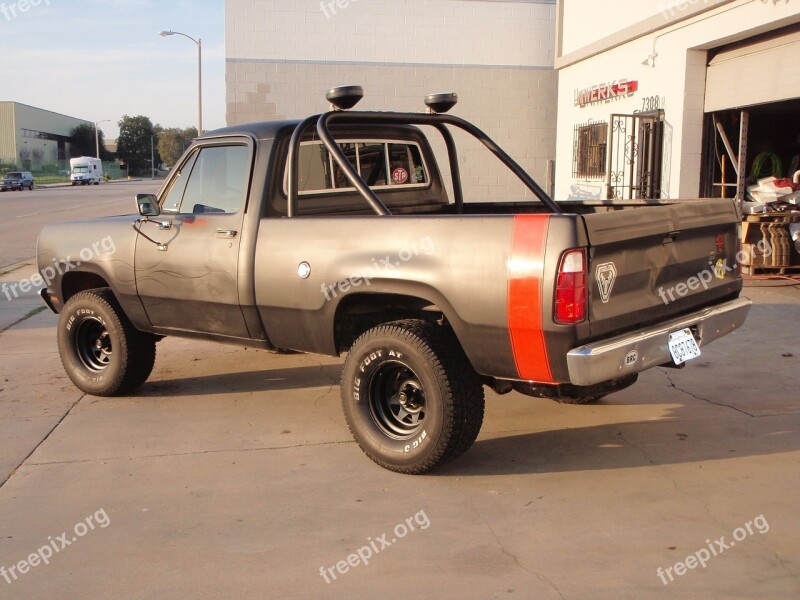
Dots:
(75, 256)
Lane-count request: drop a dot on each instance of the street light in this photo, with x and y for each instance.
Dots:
(199, 43)
(97, 137)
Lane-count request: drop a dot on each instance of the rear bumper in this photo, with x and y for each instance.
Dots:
(606, 360)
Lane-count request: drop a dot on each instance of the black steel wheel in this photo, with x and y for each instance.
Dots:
(93, 344)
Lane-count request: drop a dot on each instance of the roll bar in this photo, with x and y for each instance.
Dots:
(438, 121)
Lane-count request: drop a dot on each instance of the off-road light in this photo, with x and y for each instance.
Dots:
(441, 103)
(345, 97)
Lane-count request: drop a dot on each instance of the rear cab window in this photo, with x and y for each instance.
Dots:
(394, 165)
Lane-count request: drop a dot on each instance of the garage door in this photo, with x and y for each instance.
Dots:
(755, 72)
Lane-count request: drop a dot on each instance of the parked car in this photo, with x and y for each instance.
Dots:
(17, 180)
(337, 235)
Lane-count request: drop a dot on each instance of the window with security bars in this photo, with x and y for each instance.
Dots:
(589, 152)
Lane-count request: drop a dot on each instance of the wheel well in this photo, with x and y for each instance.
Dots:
(361, 312)
(73, 283)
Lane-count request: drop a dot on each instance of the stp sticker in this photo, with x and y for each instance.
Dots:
(399, 175)
(606, 275)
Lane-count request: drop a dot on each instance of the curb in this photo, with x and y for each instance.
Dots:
(46, 186)
(16, 266)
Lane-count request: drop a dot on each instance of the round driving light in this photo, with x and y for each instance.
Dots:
(345, 97)
(441, 103)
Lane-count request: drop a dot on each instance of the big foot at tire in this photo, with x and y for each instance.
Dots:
(103, 354)
(410, 396)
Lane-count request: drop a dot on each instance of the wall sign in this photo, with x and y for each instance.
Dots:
(604, 92)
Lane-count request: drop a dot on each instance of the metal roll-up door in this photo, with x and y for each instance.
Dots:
(765, 69)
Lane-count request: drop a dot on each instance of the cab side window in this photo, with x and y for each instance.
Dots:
(218, 181)
(172, 201)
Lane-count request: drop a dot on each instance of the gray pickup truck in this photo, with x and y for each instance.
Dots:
(339, 234)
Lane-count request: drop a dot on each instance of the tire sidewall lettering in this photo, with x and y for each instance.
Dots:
(366, 365)
(80, 315)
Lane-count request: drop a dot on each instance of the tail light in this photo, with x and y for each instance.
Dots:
(570, 296)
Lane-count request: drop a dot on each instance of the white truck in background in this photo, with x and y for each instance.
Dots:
(85, 170)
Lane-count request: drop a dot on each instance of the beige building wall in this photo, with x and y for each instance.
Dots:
(498, 57)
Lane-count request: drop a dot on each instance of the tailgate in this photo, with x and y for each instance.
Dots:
(650, 263)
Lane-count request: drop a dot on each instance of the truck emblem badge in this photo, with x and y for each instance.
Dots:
(606, 275)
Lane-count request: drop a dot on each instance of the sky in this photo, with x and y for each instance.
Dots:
(102, 59)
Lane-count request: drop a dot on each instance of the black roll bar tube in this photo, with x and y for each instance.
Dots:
(350, 171)
(418, 119)
(455, 171)
(294, 162)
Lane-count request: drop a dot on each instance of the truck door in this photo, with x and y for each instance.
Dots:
(187, 275)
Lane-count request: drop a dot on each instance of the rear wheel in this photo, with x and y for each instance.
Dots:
(410, 396)
(103, 354)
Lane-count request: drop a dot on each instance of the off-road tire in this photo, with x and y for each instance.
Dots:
(437, 408)
(102, 352)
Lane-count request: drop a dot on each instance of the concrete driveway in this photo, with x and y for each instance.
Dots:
(232, 475)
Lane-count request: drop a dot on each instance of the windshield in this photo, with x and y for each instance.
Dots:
(13, 175)
(80, 170)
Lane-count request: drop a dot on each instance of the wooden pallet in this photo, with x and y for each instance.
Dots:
(774, 217)
(784, 270)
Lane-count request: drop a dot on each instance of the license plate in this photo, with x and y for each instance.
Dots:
(682, 346)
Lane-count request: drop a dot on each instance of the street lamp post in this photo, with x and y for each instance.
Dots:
(199, 43)
(97, 136)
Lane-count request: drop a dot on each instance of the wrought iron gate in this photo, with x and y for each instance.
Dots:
(635, 155)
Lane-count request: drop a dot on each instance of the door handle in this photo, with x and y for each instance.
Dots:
(227, 233)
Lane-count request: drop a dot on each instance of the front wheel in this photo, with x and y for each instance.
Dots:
(102, 352)
(410, 396)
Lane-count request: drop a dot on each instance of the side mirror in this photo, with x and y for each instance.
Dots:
(147, 204)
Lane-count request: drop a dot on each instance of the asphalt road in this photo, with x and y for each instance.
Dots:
(23, 214)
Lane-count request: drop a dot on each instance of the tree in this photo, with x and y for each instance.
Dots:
(82, 142)
(173, 142)
(25, 158)
(133, 145)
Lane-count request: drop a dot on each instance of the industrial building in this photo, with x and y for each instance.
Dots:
(31, 136)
